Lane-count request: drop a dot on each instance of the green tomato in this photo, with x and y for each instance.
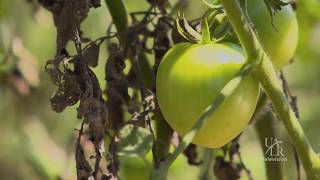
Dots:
(190, 77)
(280, 39)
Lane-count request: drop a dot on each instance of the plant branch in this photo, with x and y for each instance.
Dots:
(266, 75)
(243, 29)
(207, 165)
(266, 128)
(120, 16)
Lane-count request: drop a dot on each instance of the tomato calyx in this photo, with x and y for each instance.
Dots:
(186, 31)
(213, 31)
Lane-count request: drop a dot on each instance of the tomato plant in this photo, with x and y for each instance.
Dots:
(278, 34)
(190, 77)
(206, 90)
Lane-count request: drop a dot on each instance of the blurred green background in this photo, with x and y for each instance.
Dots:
(37, 143)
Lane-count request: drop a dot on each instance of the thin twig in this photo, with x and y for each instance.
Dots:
(248, 172)
(78, 147)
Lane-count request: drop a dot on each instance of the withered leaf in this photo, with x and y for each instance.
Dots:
(53, 71)
(92, 106)
(91, 54)
(67, 94)
(95, 3)
(186, 30)
(84, 169)
(93, 110)
(192, 155)
(68, 15)
(224, 170)
(117, 86)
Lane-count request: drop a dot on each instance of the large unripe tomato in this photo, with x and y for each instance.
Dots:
(190, 77)
(280, 39)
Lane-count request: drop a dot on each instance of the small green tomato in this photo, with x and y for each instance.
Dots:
(279, 37)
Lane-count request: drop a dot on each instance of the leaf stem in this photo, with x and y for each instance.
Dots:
(243, 29)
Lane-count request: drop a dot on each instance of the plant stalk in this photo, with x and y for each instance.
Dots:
(266, 75)
(120, 16)
(266, 128)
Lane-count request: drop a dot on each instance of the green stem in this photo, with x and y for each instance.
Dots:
(265, 73)
(146, 71)
(163, 135)
(120, 16)
(207, 165)
(243, 29)
(163, 130)
(266, 128)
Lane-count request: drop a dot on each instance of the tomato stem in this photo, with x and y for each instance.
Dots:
(265, 73)
(120, 16)
(266, 128)
(207, 165)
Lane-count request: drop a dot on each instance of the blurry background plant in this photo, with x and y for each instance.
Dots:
(37, 143)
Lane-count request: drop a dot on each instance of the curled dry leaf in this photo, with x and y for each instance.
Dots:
(117, 87)
(68, 15)
(92, 106)
(84, 169)
(192, 155)
(226, 170)
(53, 71)
(93, 111)
(186, 31)
(91, 54)
(68, 92)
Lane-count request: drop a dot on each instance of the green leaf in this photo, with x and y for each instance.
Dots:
(213, 14)
(134, 141)
(221, 29)
(212, 3)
